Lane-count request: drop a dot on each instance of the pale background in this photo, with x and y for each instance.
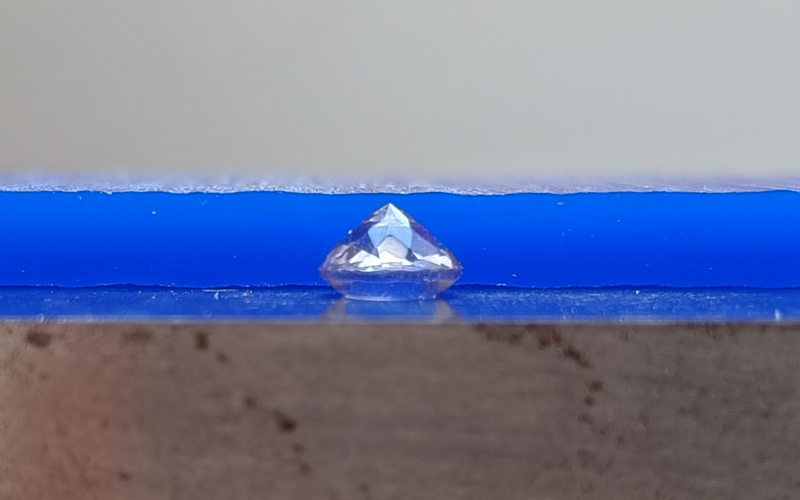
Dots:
(414, 88)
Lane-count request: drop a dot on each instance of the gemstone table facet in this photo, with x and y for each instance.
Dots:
(390, 256)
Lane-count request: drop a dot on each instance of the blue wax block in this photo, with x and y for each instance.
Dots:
(258, 239)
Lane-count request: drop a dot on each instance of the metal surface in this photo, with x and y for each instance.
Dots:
(209, 411)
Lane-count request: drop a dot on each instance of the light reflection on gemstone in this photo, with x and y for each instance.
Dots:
(390, 256)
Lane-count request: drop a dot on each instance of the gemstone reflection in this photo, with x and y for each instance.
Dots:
(390, 256)
(426, 311)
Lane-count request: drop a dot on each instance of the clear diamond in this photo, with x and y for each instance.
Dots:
(390, 256)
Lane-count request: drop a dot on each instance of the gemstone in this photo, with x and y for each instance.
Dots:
(390, 256)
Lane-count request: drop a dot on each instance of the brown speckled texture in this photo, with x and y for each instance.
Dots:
(399, 412)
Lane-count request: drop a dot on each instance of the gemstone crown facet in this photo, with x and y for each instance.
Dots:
(390, 256)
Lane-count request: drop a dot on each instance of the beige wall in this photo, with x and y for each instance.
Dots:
(413, 88)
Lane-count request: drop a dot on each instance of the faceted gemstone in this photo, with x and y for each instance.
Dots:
(389, 256)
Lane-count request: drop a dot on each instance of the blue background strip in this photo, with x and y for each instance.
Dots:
(260, 239)
(467, 304)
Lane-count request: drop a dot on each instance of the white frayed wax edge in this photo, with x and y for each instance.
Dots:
(183, 185)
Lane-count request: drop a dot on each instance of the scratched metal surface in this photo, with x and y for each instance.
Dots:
(366, 412)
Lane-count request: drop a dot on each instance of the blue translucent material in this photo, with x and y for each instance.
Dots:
(524, 240)
(459, 304)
